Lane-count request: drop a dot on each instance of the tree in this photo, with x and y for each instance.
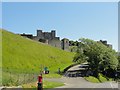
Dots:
(80, 57)
(74, 43)
(98, 56)
(119, 62)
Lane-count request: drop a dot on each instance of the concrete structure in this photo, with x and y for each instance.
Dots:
(49, 38)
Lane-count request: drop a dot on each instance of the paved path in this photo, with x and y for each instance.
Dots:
(80, 82)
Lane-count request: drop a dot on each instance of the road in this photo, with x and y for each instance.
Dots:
(80, 82)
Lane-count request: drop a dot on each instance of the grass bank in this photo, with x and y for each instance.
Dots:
(101, 79)
(24, 56)
(46, 84)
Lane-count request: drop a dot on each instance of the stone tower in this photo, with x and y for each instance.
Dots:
(53, 34)
(40, 34)
(65, 44)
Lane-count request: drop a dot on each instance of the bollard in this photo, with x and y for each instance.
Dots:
(40, 82)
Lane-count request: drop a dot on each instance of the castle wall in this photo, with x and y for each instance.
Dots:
(40, 34)
(36, 38)
(55, 43)
(47, 35)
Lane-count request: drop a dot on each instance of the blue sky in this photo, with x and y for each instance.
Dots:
(92, 20)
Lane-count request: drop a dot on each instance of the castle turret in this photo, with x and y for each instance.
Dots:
(65, 44)
(39, 32)
(53, 33)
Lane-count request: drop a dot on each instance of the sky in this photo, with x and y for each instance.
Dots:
(60, 0)
(72, 20)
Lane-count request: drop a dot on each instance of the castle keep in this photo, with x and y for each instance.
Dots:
(49, 38)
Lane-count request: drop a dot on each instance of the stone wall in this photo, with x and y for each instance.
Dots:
(55, 43)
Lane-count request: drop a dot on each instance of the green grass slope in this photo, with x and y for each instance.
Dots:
(22, 55)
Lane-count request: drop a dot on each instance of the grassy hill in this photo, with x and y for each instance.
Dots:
(21, 54)
(23, 57)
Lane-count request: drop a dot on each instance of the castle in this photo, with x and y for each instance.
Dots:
(49, 38)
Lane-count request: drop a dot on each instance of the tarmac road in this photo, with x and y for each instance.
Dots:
(80, 82)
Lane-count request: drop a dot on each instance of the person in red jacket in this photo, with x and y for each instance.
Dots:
(40, 82)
